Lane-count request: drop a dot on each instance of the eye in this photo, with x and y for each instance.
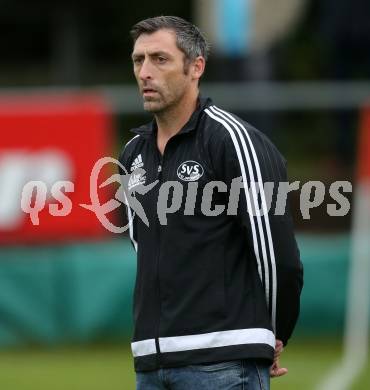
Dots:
(161, 60)
(137, 61)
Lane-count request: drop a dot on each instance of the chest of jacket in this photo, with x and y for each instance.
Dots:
(183, 179)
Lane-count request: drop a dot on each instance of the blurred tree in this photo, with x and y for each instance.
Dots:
(345, 29)
(72, 42)
(345, 32)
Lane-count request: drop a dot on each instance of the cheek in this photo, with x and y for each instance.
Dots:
(136, 74)
(178, 82)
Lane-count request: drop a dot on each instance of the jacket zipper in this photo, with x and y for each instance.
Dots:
(160, 178)
(161, 161)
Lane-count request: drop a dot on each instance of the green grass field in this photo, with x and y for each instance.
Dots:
(110, 367)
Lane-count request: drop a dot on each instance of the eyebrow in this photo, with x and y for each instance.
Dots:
(152, 54)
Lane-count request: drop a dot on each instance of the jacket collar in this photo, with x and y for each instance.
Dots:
(151, 128)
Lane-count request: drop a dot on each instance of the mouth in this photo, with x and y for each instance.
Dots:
(149, 91)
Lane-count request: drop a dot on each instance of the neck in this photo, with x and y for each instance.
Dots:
(171, 121)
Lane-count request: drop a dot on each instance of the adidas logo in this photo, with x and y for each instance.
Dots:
(138, 163)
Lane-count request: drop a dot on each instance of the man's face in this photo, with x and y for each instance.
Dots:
(159, 70)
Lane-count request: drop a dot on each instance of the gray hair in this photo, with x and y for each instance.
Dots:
(189, 39)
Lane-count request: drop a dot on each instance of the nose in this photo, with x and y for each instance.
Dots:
(145, 72)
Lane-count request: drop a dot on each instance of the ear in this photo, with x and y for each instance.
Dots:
(197, 68)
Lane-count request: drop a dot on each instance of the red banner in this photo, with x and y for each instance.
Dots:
(53, 141)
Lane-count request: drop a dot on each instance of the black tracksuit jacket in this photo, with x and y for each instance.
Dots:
(210, 288)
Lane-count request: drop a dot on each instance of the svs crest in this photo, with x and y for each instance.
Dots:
(190, 171)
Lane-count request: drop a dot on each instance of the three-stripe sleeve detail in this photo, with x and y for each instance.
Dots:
(260, 224)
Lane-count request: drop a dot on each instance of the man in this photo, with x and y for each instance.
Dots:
(216, 279)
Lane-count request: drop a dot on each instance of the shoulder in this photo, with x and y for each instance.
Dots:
(227, 128)
(129, 149)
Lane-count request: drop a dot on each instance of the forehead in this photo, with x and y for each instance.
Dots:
(161, 40)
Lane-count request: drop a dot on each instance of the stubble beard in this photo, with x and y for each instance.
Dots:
(154, 105)
(161, 104)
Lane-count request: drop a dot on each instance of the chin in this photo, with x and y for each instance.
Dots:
(152, 106)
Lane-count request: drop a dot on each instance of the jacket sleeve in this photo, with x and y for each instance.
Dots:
(129, 217)
(247, 154)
